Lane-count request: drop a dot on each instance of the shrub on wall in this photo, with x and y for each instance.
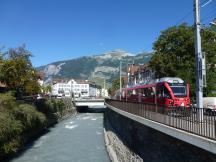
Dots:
(18, 123)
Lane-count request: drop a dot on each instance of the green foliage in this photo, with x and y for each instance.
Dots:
(17, 122)
(175, 55)
(7, 101)
(10, 131)
(17, 72)
(29, 116)
(52, 108)
(115, 85)
(20, 52)
(46, 89)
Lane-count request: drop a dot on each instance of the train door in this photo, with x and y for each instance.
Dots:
(160, 98)
(163, 96)
(139, 95)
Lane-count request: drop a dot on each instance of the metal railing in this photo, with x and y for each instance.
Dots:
(183, 118)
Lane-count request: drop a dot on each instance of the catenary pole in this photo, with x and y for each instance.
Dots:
(198, 56)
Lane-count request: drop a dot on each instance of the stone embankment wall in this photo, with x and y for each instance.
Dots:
(117, 150)
(128, 140)
(70, 110)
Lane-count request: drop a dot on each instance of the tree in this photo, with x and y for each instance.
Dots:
(18, 74)
(175, 55)
(20, 52)
(115, 85)
(47, 89)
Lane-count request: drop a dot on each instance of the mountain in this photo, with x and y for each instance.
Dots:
(94, 68)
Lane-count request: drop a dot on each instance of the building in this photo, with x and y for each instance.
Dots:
(144, 74)
(75, 88)
(80, 88)
(61, 87)
(131, 74)
(138, 74)
(94, 90)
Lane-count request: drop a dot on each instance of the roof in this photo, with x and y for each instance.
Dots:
(79, 81)
(132, 69)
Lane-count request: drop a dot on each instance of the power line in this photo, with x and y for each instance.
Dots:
(210, 14)
(208, 20)
(189, 13)
(206, 3)
(184, 17)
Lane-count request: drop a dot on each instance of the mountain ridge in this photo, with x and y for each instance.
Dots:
(105, 65)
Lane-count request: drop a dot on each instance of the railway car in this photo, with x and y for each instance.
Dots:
(168, 91)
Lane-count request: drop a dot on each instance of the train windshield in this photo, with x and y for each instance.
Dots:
(179, 90)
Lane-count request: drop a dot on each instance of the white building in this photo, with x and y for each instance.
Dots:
(104, 92)
(73, 88)
(79, 88)
(61, 88)
(94, 90)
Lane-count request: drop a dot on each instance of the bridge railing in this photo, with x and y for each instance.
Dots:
(183, 118)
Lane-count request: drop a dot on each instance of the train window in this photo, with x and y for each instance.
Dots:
(134, 92)
(166, 93)
(179, 90)
(152, 91)
(142, 91)
(159, 92)
(162, 92)
(129, 92)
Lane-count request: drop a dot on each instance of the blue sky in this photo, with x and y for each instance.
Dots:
(56, 30)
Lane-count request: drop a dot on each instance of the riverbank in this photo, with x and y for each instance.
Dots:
(21, 123)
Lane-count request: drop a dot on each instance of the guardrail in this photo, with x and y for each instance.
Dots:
(183, 118)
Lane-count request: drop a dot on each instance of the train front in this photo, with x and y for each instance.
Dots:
(179, 92)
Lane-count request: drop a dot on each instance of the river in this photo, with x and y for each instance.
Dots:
(76, 139)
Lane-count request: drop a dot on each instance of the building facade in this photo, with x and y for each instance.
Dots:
(75, 88)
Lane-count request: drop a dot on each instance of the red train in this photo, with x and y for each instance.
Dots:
(163, 92)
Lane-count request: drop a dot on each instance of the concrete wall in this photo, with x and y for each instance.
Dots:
(149, 144)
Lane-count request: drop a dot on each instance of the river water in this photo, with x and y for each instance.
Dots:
(76, 139)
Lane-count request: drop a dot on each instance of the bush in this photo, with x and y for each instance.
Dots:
(21, 122)
(29, 117)
(18, 123)
(7, 101)
(10, 131)
(46, 106)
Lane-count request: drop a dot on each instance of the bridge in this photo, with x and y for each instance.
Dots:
(89, 102)
(180, 123)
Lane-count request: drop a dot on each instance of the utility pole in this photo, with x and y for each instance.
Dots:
(199, 62)
(120, 82)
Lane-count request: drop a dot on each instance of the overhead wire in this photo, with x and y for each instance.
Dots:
(190, 12)
(209, 16)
